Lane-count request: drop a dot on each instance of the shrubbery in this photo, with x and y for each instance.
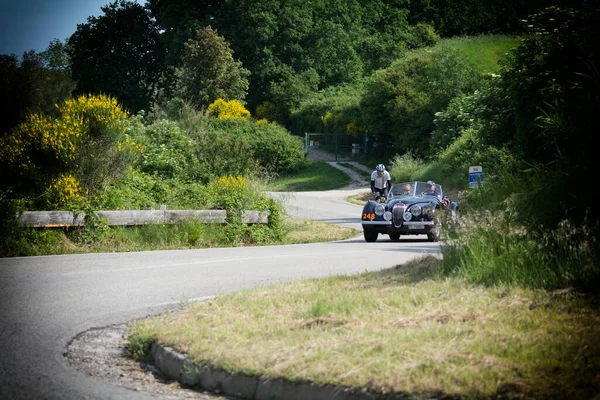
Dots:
(93, 156)
(75, 153)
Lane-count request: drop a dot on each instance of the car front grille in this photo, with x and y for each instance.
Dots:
(398, 214)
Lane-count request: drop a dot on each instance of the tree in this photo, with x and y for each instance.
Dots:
(34, 84)
(544, 108)
(209, 71)
(119, 53)
(400, 102)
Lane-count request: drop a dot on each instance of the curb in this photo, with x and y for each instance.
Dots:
(177, 366)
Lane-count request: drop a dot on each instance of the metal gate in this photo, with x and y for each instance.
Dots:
(336, 146)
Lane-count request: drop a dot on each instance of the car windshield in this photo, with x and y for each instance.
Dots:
(416, 188)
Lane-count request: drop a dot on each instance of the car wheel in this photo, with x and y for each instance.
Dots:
(394, 236)
(370, 234)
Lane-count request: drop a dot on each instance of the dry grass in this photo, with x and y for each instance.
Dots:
(360, 198)
(403, 330)
(307, 231)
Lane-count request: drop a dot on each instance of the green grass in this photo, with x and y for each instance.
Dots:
(317, 175)
(484, 51)
(404, 330)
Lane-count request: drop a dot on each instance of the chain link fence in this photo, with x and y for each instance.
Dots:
(339, 146)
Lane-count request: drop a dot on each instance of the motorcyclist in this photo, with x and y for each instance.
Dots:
(381, 181)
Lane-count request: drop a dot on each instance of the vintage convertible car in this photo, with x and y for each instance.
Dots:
(412, 208)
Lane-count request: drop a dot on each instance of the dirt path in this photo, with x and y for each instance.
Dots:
(358, 180)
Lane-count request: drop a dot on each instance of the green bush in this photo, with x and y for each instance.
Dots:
(270, 145)
(135, 191)
(400, 102)
(452, 122)
(340, 103)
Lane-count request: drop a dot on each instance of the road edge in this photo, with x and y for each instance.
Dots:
(178, 367)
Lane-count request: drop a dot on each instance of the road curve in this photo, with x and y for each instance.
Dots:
(46, 301)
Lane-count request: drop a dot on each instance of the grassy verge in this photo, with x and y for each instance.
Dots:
(317, 175)
(360, 198)
(186, 235)
(403, 330)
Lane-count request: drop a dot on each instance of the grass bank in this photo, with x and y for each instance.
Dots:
(404, 330)
(315, 176)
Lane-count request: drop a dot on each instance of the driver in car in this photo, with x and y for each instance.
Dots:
(431, 189)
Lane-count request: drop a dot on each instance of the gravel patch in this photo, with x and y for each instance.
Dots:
(101, 353)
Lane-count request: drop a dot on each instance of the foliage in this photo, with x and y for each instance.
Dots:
(471, 17)
(451, 123)
(248, 143)
(209, 72)
(230, 192)
(119, 53)
(235, 194)
(408, 167)
(543, 110)
(334, 109)
(330, 42)
(231, 109)
(63, 191)
(134, 191)
(290, 91)
(268, 111)
(83, 142)
(32, 85)
(399, 103)
(496, 244)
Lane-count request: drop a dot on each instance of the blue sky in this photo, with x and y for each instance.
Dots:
(31, 24)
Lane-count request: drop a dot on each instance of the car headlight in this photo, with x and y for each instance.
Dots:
(415, 210)
(379, 210)
(387, 216)
(407, 216)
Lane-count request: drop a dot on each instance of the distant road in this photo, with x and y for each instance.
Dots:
(46, 301)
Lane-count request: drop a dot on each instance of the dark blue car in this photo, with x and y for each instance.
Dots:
(411, 208)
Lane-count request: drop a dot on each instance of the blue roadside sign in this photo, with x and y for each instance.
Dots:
(475, 175)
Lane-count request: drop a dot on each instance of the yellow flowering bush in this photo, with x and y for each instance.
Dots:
(328, 119)
(353, 128)
(232, 109)
(59, 136)
(82, 145)
(229, 192)
(64, 190)
(262, 122)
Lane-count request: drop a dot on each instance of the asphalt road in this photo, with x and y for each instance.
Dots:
(46, 301)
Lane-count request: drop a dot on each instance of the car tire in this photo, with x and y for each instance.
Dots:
(370, 234)
(395, 236)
